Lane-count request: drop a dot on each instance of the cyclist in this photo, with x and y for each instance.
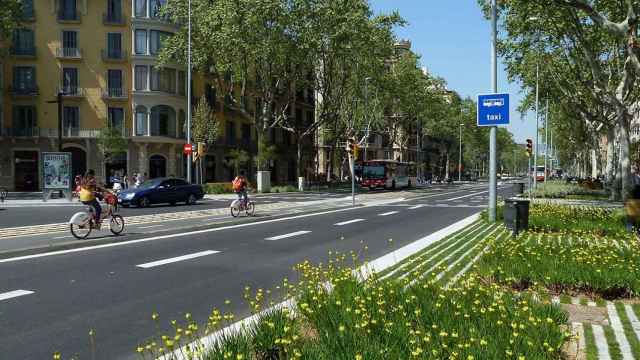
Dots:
(240, 188)
(88, 193)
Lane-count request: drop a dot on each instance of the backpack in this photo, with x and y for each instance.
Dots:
(238, 184)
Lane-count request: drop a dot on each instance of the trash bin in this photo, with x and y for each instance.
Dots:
(518, 188)
(516, 215)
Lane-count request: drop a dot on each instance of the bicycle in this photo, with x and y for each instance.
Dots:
(82, 223)
(238, 206)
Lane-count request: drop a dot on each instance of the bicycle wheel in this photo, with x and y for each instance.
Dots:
(116, 224)
(251, 208)
(81, 231)
(235, 211)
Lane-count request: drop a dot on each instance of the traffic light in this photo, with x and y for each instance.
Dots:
(529, 147)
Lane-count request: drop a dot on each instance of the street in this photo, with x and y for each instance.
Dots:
(50, 302)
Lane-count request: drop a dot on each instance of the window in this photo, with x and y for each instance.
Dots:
(182, 82)
(141, 42)
(27, 9)
(71, 120)
(246, 134)
(141, 77)
(310, 117)
(70, 44)
(24, 120)
(141, 121)
(68, 10)
(24, 78)
(114, 82)
(163, 121)
(23, 42)
(157, 38)
(114, 45)
(231, 133)
(182, 124)
(163, 80)
(114, 11)
(155, 6)
(116, 118)
(70, 81)
(141, 8)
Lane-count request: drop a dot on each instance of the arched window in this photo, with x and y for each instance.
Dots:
(182, 123)
(141, 120)
(163, 121)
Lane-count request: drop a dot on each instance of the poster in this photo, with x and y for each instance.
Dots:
(56, 171)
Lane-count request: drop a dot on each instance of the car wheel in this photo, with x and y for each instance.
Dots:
(173, 203)
(144, 202)
(393, 185)
(191, 200)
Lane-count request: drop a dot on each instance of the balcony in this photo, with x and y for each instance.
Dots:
(67, 132)
(115, 94)
(24, 52)
(69, 17)
(113, 19)
(20, 132)
(111, 55)
(24, 91)
(71, 91)
(68, 53)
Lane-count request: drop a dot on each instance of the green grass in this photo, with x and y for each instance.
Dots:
(577, 219)
(614, 348)
(634, 342)
(590, 342)
(562, 190)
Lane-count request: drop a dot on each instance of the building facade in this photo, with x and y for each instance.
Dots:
(102, 56)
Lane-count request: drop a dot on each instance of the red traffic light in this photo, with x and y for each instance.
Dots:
(529, 147)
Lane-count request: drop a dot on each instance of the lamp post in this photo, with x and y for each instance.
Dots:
(546, 139)
(189, 155)
(493, 133)
(460, 156)
(535, 152)
(366, 113)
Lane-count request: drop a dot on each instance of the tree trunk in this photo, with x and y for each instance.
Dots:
(299, 155)
(446, 176)
(625, 167)
(610, 170)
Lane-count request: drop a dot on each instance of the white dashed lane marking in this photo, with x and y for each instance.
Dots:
(348, 222)
(14, 294)
(297, 233)
(177, 259)
(388, 213)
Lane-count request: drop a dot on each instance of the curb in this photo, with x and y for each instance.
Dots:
(369, 268)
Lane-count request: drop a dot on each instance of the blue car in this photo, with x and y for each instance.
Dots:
(161, 191)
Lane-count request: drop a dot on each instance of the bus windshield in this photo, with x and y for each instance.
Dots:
(373, 172)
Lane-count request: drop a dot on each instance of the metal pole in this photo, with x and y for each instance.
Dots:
(492, 137)
(535, 150)
(366, 117)
(460, 157)
(189, 95)
(546, 139)
(353, 180)
(59, 101)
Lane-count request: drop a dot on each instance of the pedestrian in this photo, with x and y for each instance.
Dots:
(125, 181)
(138, 180)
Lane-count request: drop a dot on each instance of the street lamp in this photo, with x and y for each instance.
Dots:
(189, 155)
(366, 112)
(535, 156)
(460, 156)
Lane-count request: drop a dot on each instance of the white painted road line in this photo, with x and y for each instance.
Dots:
(416, 207)
(149, 226)
(61, 237)
(13, 294)
(388, 213)
(297, 233)
(176, 259)
(348, 222)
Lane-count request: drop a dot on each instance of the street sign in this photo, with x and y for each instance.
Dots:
(188, 149)
(493, 109)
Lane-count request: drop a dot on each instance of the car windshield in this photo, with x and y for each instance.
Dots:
(149, 184)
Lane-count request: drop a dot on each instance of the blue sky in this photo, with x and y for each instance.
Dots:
(453, 39)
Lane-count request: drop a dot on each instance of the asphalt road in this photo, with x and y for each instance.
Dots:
(39, 213)
(115, 289)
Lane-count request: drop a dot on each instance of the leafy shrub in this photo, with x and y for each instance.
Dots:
(218, 188)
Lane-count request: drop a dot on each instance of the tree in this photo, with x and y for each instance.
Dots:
(237, 158)
(111, 143)
(11, 14)
(205, 129)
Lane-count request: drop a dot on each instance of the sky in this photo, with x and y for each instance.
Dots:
(454, 41)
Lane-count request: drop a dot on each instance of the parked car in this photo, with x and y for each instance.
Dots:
(161, 191)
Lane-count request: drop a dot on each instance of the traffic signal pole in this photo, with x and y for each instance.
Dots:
(492, 136)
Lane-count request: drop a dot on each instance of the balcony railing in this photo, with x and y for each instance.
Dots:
(68, 16)
(112, 19)
(31, 90)
(68, 53)
(24, 51)
(115, 93)
(113, 55)
(71, 91)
